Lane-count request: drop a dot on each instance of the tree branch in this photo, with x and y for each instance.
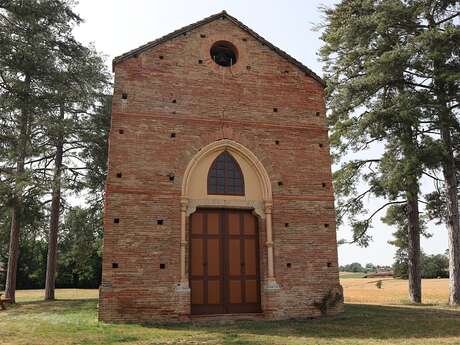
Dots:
(369, 219)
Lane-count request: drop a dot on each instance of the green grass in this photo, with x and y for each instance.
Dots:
(74, 321)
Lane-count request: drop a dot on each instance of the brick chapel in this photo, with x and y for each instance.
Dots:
(219, 198)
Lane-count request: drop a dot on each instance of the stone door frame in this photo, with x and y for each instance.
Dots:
(262, 207)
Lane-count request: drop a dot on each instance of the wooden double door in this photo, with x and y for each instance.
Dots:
(224, 262)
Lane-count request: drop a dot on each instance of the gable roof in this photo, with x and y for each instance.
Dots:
(207, 20)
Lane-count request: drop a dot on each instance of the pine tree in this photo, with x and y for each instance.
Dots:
(374, 51)
(25, 64)
(83, 80)
(38, 79)
(440, 62)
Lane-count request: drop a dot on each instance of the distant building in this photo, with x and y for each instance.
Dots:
(219, 192)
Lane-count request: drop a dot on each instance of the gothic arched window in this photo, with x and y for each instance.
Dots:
(225, 176)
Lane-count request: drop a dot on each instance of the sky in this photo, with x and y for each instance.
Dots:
(117, 26)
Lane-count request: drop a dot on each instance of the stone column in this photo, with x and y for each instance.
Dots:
(183, 284)
(271, 281)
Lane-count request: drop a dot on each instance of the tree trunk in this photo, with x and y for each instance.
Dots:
(13, 254)
(450, 178)
(414, 254)
(453, 228)
(54, 216)
(16, 210)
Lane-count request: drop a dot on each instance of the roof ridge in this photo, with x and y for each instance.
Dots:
(209, 19)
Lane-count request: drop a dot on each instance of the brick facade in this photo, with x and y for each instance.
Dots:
(264, 102)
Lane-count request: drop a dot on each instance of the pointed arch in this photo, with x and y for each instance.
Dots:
(262, 205)
(234, 149)
(225, 176)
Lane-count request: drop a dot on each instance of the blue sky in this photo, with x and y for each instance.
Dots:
(116, 26)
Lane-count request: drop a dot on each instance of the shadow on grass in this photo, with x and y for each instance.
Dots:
(359, 321)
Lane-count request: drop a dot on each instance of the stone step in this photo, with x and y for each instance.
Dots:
(228, 317)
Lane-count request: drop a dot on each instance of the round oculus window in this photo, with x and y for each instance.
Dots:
(224, 53)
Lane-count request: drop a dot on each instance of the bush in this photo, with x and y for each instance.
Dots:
(433, 266)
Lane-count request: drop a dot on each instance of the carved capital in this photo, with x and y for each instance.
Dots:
(183, 204)
(268, 207)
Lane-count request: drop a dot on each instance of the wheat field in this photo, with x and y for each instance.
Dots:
(393, 291)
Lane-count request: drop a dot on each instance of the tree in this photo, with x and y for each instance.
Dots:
(95, 136)
(440, 64)
(46, 78)
(353, 267)
(83, 81)
(80, 257)
(393, 78)
(31, 261)
(370, 267)
(435, 266)
(396, 215)
(30, 33)
(370, 101)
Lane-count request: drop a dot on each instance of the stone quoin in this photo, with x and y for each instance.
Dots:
(219, 199)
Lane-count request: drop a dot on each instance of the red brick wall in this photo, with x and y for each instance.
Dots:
(145, 154)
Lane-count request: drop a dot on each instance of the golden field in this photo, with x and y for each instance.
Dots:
(356, 290)
(61, 294)
(393, 291)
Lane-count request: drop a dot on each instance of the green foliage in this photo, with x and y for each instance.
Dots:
(52, 94)
(396, 216)
(400, 265)
(353, 267)
(95, 150)
(330, 300)
(385, 96)
(32, 245)
(370, 267)
(79, 258)
(433, 266)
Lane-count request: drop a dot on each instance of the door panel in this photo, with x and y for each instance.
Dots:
(197, 223)
(224, 262)
(249, 224)
(250, 260)
(251, 291)
(197, 292)
(213, 225)
(233, 223)
(214, 292)
(197, 257)
(213, 257)
(234, 257)
(235, 292)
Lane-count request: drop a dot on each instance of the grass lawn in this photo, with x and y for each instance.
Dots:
(72, 319)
